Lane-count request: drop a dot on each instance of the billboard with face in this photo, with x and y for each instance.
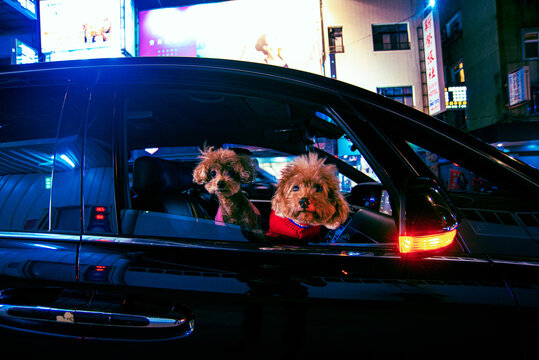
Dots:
(267, 31)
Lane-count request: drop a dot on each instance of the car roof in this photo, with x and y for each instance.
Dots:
(349, 93)
(252, 68)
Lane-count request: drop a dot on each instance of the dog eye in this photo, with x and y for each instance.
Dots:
(230, 173)
(318, 188)
(295, 188)
(213, 173)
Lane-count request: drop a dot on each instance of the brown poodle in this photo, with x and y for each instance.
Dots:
(306, 199)
(222, 172)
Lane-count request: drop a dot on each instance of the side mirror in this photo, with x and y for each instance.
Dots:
(428, 222)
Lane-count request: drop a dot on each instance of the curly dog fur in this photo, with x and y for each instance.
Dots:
(222, 171)
(307, 195)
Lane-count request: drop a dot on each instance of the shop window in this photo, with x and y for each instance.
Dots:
(390, 37)
(401, 94)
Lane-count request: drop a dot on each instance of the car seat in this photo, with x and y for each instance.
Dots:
(162, 185)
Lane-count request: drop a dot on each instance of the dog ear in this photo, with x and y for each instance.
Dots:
(336, 198)
(245, 169)
(278, 204)
(341, 210)
(278, 201)
(200, 173)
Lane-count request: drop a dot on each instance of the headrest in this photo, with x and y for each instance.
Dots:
(154, 175)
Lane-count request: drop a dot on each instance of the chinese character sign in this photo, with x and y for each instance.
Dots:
(433, 80)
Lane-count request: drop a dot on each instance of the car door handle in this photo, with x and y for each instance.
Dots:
(87, 317)
(116, 325)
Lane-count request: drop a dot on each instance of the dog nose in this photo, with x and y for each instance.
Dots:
(221, 184)
(304, 203)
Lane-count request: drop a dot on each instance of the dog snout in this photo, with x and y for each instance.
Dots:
(221, 184)
(304, 202)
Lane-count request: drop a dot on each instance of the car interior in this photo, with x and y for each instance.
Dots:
(164, 140)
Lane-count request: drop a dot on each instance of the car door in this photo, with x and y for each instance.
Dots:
(494, 195)
(41, 127)
(177, 280)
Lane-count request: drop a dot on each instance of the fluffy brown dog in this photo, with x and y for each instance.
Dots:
(222, 172)
(307, 198)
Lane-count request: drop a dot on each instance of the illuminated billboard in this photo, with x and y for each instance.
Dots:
(455, 97)
(266, 31)
(81, 29)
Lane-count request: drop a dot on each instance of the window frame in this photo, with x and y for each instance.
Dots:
(108, 212)
(335, 33)
(454, 25)
(524, 42)
(403, 94)
(394, 29)
(123, 185)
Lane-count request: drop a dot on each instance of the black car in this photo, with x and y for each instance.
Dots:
(109, 249)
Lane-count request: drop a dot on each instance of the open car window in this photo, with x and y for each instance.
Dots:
(167, 128)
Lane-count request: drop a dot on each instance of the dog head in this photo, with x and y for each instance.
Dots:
(222, 171)
(308, 193)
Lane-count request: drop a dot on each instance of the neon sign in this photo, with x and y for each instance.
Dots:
(455, 97)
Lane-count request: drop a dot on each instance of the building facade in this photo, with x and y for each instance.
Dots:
(373, 44)
(19, 31)
(489, 48)
(378, 46)
(487, 45)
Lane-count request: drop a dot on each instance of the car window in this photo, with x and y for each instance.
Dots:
(454, 177)
(167, 128)
(495, 211)
(28, 136)
(493, 218)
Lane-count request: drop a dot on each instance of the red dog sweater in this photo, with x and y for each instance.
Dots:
(284, 227)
